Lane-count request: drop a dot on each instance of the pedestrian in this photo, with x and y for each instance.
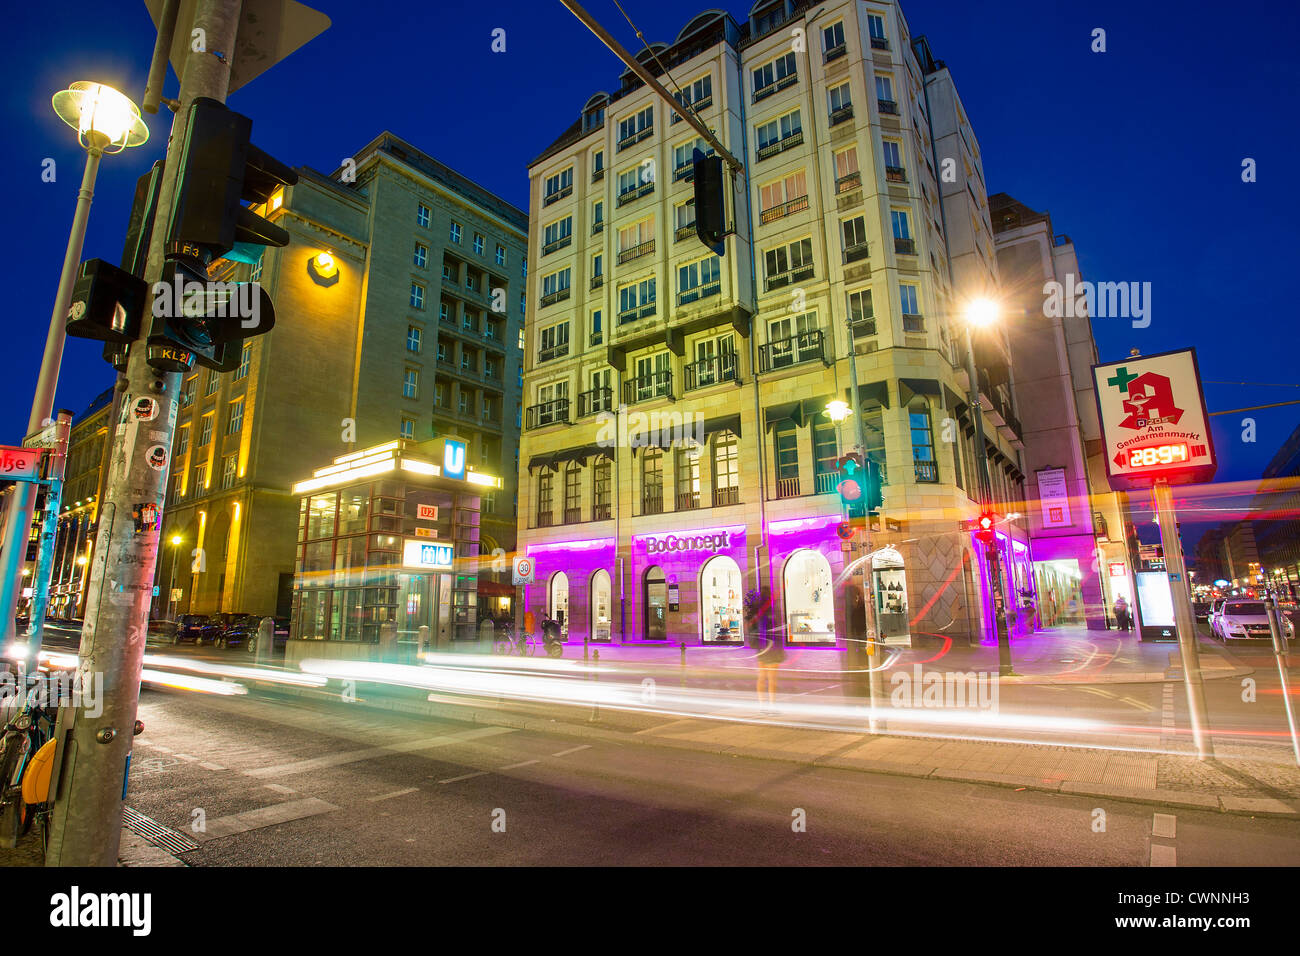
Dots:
(770, 656)
(1122, 619)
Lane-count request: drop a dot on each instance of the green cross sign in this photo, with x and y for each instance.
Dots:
(1122, 378)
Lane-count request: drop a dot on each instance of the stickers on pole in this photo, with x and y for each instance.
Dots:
(1153, 420)
(156, 457)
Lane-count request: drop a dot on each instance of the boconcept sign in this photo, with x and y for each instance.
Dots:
(668, 543)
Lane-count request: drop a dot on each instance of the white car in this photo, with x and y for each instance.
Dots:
(1247, 620)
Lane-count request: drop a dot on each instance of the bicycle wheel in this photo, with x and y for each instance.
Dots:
(502, 645)
(527, 648)
(12, 811)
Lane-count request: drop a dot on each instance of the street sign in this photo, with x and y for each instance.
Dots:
(20, 464)
(522, 571)
(424, 556)
(1153, 420)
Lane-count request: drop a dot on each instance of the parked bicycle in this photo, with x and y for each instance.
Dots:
(28, 742)
(507, 642)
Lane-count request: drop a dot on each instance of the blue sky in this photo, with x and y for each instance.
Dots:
(1136, 152)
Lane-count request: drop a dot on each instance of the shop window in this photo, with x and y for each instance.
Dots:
(809, 602)
(601, 605)
(655, 604)
(720, 601)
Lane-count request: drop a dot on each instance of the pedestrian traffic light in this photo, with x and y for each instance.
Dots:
(873, 486)
(984, 527)
(198, 319)
(107, 303)
(710, 200)
(850, 487)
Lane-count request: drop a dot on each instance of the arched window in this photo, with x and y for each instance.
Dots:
(601, 606)
(720, 601)
(809, 602)
(655, 604)
(557, 604)
(918, 416)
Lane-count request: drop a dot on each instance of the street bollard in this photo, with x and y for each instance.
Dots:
(265, 640)
(388, 642)
(682, 678)
(424, 641)
(595, 675)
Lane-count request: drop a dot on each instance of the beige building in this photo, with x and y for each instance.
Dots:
(636, 334)
(399, 310)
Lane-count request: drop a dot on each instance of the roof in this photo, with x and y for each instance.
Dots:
(97, 404)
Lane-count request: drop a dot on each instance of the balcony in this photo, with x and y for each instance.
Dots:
(824, 482)
(598, 227)
(644, 388)
(784, 209)
(597, 337)
(927, 472)
(888, 106)
(784, 143)
(639, 312)
(905, 247)
(726, 496)
(835, 52)
(652, 503)
(552, 352)
(598, 175)
(859, 250)
(545, 518)
(553, 297)
(596, 400)
(600, 511)
(702, 103)
(699, 293)
(572, 515)
(688, 500)
(711, 371)
(597, 281)
(879, 43)
(685, 172)
(787, 487)
(631, 195)
(764, 92)
(895, 174)
(863, 327)
(795, 350)
(848, 183)
(557, 244)
(637, 251)
(547, 413)
(782, 279)
(913, 323)
(842, 114)
(684, 232)
(635, 138)
(558, 195)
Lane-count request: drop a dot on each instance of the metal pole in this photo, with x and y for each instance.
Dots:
(991, 554)
(171, 585)
(868, 594)
(19, 525)
(49, 530)
(1184, 619)
(95, 752)
(1279, 650)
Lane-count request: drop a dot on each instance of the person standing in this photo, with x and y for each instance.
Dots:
(770, 656)
(1122, 619)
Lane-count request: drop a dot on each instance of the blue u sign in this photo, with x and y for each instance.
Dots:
(435, 555)
(453, 459)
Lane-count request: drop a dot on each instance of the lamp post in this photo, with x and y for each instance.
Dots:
(171, 578)
(106, 123)
(982, 313)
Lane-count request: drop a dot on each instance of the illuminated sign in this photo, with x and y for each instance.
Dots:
(1153, 420)
(668, 543)
(426, 532)
(423, 556)
(453, 459)
(20, 464)
(1054, 498)
(426, 512)
(1118, 570)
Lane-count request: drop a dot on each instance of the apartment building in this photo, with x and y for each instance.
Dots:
(399, 314)
(639, 337)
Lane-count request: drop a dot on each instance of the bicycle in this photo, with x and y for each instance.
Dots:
(26, 733)
(507, 643)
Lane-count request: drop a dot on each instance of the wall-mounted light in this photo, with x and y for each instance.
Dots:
(322, 268)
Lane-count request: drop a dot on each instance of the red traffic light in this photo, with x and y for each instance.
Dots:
(985, 521)
(850, 489)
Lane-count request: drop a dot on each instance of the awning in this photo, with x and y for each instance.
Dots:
(873, 393)
(790, 411)
(909, 388)
(547, 461)
(723, 423)
(553, 460)
(495, 589)
(954, 402)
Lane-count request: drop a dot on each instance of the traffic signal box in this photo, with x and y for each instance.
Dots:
(860, 492)
(984, 525)
(710, 200)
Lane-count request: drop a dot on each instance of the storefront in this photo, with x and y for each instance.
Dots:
(692, 585)
(806, 554)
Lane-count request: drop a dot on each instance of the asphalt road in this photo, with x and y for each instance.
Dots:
(309, 783)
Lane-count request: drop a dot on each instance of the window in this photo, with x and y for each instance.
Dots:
(774, 76)
(448, 271)
(555, 287)
(572, 494)
(907, 298)
(786, 264)
(726, 470)
(637, 300)
(901, 223)
(876, 27)
(187, 395)
(597, 327)
(597, 216)
(699, 280)
(407, 430)
(205, 430)
(255, 275)
(229, 470)
(410, 383)
(545, 515)
(421, 257)
(593, 119)
(470, 321)
(417, 295)
(636, 240)
(462, 403)
(684, 157)
(214, 382)
(634, 182)
(841, 104)
(557, 235)
(182, 440)
(501, 255)
(442, 351)
(468, 362)
(684, 219)
(600, 490)
(862, 319)
(413, 338)
(893, 161)
(687, 470)
(478, 244)
(454, 234)
(783, 196)
(873, 423)
(558, 186)
(597, 268)
(471, 280)
(846, 170)
(853, 233)
(791, 340)
(786, 444)
(885, 95)
(833, 40)
(199, 480)
(697, 95)
(422, 215)
(636, 127)
(825, 455)
(918, 416)
(597, 165)
(444, 312)
(781, 132)
(245, 361)
(439, 395)
(235, 420)
(554, 342)
(652, 481)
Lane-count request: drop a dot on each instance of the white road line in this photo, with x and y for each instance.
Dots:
(515, 765)
(265, 817)
(395, 793)
(279, 788)
(1164, 825)
(671, 723)
(1163, 855)
(212, 766)
(185, 757)
(572, 750)
(371, 753)
(465, 776)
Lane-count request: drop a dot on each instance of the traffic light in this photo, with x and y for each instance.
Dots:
(873, 486)
(984, 527)
(850, 487)
(107, 303)
(710, 200)
(194, 317)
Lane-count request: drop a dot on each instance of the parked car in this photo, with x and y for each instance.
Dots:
(160, 632)
(1246, 621)
(1201, 610)
(237, 629)
(199, 628)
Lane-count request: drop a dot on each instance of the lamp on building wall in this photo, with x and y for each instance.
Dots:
(322, 268)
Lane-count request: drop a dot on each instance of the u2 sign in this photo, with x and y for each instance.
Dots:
(20, 464)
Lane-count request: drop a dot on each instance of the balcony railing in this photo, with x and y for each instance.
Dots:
(711, 371)
(845, 112)
(825, 482)
(863, 327)
(859, 250)
(703, 102)
(781, 84)
(783, 353)
(684, 172)
(888, 106)
(632, 194)
(552, 352)
(699, 292)
(782, 279)
(688, 500)
(572, 515)
(558, 195)
(598, 175)
(684, 232)
(652, 503)
(835, 52)
(597, 281)
(598, 227)
(726, 496)
(643, 388)
(787, 487)
(913, 323)
(879, 43)
(783, 209)
(895, 174)
(785, 142)
(600, 511)
(547, 413)
(637, 251)
(596, 400)
(556, 244)
(906, 247)
(546, 518)
(848, 183)
(559, 295)
(640, 312)
(927, 471)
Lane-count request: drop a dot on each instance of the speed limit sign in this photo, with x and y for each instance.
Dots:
(523, 570)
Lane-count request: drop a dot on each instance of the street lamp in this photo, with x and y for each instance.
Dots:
(171, 579)
(981, 314)
(106, 123)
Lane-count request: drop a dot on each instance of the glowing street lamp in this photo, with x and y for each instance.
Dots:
(837, 410)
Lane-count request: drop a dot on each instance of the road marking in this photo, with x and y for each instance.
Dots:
(572, 750)
(1164, 825)
(516, 765)
(1139, 704)
(371, 753)
(212, 766)
(1163, 855)
(465, 776)
(161, 749)
(671, 723)
(279, 788)
(395, 793)
(265, 817)
(185, 757)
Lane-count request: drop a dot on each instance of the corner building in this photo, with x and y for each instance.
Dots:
(638, 336)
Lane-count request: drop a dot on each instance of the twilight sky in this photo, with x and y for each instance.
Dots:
(1136, 152)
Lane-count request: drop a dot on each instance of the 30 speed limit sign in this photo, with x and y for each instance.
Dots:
(523, 571)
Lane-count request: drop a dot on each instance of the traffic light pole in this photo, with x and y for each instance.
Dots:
(868, 595)
(95, 752)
